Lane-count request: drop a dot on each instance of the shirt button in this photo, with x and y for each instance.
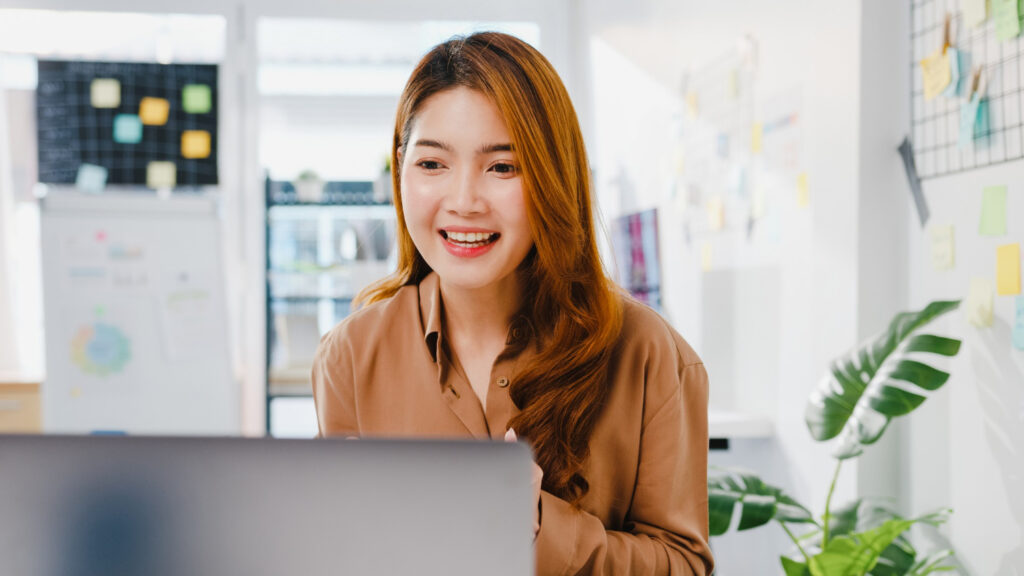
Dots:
(502, 382)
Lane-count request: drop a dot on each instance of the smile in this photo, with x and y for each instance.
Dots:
(469, 244)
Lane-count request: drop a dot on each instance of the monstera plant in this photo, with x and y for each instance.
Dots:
(862, 392)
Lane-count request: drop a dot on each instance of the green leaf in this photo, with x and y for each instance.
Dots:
(864, 389)
(759, 503)
(857, 554)
(794, 568)
(934, 562)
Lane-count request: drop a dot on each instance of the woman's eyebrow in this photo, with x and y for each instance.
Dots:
(487, 149)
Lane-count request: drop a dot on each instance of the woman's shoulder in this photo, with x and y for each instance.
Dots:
(644, 327)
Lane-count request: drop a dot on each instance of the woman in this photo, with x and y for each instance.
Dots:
(501, 321)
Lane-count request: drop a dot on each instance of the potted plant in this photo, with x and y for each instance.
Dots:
(863, 391)
(309, 187)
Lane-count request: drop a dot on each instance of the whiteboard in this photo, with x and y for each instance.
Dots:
(135, 317)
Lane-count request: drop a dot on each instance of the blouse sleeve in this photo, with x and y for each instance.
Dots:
(333, 387)
(666, 528)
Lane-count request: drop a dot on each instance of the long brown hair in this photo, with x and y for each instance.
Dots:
(573, 306)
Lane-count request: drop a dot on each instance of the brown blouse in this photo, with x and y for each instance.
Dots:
(385, 371)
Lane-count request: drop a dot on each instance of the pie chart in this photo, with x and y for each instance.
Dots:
(100, 349)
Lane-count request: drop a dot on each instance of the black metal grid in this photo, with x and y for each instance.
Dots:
(936, 123)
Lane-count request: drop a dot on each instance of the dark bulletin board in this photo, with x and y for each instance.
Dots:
(72, 131)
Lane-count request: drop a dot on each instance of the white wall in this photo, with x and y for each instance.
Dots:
(810, 49)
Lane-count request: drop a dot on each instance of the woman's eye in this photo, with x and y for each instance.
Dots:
(504, 168)
(429, 165)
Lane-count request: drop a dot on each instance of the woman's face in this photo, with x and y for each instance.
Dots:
(462, 192)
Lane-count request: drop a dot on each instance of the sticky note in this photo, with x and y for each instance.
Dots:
(975, 11)
(943, 247)
(196, 98)
(803, 192)
(993, 211)
(105, 93)
(1008, 270)
(195, 144)
(1018, 325)
(716, 213)
(127, 129)
(691, 104)
(979, 302)
(953, 56)
(161, 175)
(757, 202)
(705, 257)
(964, 69)
(968, 121)
(153, 111)
(756, 131)
(91, 178)
(937, 74)
(1007, 19)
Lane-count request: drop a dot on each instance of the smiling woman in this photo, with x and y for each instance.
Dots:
(500, 322)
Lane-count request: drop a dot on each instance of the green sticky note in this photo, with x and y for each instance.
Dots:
(1007, 18)
(993, 211)
(196, 98)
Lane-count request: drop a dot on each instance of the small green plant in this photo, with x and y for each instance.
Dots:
(862, 392)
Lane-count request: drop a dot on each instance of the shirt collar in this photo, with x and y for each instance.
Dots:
(520, 331)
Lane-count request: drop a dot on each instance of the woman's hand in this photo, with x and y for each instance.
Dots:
(535, 481)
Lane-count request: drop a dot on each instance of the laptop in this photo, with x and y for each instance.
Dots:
(112, 506)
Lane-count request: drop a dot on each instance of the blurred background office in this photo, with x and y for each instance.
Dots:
(192, 192)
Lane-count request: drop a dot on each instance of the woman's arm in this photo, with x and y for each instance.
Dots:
(333, 386)
(667, 524)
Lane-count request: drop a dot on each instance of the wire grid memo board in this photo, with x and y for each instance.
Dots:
(936, 122)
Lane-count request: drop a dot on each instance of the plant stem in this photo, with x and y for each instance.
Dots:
(828, 504)
(797, 542)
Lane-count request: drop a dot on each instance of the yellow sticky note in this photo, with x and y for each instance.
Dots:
(716, 213)
(979, 302)
(755, 137)
(803, 192)
(195, 144)
(757, 207)
(937, 74)
(161, 175)
(943, 247)
(105, 93)
(153, 111)
(1008, 269)
(705, 257)
(691, 104)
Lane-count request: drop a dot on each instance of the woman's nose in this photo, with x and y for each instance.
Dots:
(464, 196)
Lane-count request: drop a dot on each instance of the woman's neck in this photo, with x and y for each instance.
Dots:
(480, 315)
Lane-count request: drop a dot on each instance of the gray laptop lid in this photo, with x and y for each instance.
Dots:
(112, 506)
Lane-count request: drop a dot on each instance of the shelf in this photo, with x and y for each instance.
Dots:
(310, 210)
(734, 425)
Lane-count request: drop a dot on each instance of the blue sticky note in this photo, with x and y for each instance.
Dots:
(127, 129)
(968, 121)
(91, 178)
(954, 72)
(981, 124)
(1018, 325)
(964, 65)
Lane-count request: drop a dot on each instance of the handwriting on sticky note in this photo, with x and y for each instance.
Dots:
(1008, 269)
(979, 302)
(1007, 19)
(943, 247)
(993, 211)
(937, 74)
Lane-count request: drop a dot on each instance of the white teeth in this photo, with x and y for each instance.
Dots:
(470, 237)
